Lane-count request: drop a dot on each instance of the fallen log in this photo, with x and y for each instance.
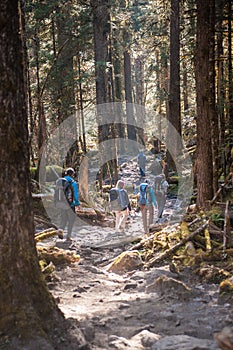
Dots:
(173, 249)
(142, 242)
(152, 236)
(40, 236)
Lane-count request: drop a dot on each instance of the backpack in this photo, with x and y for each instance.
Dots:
(115, 199)
(143, 194)
(160, 186)
(63, 193)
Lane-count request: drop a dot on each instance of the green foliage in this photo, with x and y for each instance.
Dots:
(215, 215)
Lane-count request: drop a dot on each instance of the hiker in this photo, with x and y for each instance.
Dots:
(161, 187)
(120, 205)
(142, 163)
(147, 202)
(68, 213)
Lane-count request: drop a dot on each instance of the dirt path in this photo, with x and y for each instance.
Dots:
(132, 311)
(144, 309)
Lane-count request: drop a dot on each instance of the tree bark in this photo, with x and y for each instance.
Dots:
(221, 98)
(204, 147)
(174, 117)
(26, 307)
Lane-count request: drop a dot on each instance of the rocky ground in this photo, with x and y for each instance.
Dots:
(157, 308)
(135, 310)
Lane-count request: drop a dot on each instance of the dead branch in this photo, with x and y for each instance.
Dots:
(227, 226)
(173, 249)
(142, 242)
(194, 221)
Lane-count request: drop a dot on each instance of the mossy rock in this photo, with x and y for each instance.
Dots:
(125, 262)
(226, 291)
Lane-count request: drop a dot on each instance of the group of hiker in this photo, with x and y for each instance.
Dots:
(150, 196)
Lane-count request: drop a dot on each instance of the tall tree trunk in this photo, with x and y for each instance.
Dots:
(139, 81)
(204, 163)
(139, 95)
(185, 90)
(101, 28)
(213, 114)
(173, 138)
(131, 130)
(41, 132)
(221, 98)
(230, 75)
(65, 79)
(120, 129)
(81, 106)
(26, 307)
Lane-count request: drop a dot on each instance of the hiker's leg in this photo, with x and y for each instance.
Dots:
(64, 219)
(71, 220)
(124, 217)
(163, 202)
(144, 217)
(141, 171)
(159, 203)
(118, 217)
(151, 214)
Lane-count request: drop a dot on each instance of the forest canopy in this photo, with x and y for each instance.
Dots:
(173, 58)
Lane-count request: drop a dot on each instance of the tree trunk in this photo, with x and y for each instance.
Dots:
(130, 118)
(26, 307)
(65, 77)
(101, 30)
(204, 148)
(220, 84)
(83, 132)
(230, 75)
(213, 114)
(174, 135)
(118, 83)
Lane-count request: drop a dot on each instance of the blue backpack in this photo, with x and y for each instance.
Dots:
(143, 194)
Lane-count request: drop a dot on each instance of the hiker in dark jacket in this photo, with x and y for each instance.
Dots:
(68, 215)
(142, 163)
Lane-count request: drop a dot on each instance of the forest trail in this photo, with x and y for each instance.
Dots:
(133, 311)
(91, 235)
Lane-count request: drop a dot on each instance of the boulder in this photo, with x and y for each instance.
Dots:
(125, 262)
